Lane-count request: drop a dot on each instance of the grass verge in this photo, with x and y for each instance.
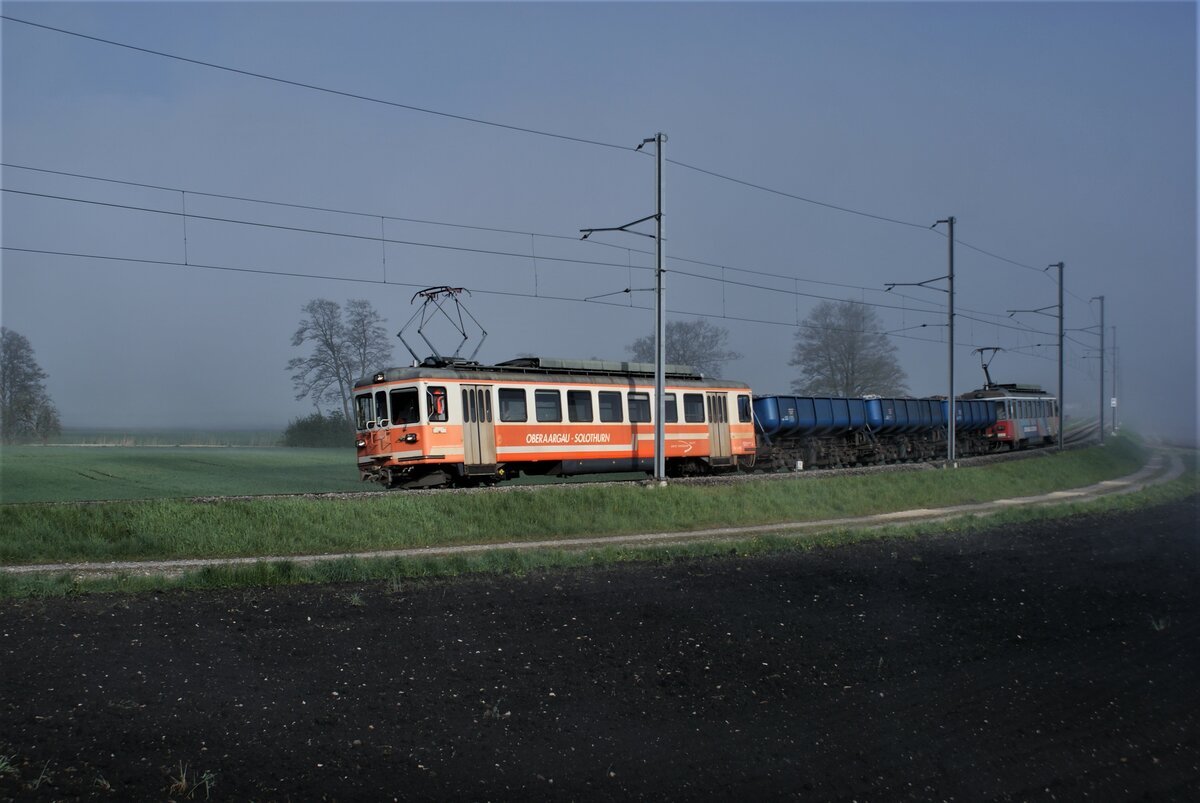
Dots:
(399, 572)
(174, 529)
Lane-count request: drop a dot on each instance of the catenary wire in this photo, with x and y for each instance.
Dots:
(383, 282)
(491, 123)
(931, 308)
(374, 215)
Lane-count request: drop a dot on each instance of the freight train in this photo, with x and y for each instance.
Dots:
(456, 422)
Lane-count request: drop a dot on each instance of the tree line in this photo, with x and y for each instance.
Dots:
(26, 411)
(838, 350)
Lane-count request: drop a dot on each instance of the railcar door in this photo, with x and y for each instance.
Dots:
(720, 447)
(479, 431)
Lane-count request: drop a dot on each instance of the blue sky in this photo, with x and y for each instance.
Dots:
(1050, 131)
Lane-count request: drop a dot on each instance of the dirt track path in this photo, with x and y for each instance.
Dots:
(1157, 469)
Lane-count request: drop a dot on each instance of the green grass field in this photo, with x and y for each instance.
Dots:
(168, 437)
(31, 533)
(78, 473)
(173, 528)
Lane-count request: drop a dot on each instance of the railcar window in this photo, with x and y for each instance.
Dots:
(404, 407)
(547, 405)
(744, 415)
(610, 407)
(381, 410)
(512, 405)
(435, 400)
(717, 410)
(671, 413)
(639, 408)
(693, 408)
(579, 405)
(365, 408)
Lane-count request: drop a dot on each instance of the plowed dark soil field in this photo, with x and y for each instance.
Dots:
(1054, 660)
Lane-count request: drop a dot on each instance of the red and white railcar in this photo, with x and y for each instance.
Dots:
(461, 423)
(1026, 415)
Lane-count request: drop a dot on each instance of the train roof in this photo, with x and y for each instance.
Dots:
(1001, 391)
(544, 369)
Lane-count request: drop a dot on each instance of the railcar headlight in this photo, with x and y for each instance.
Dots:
(360, 443)
(410, 437)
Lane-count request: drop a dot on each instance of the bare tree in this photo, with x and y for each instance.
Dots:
(697, 343)
(25, 407)
(841, 352)
(342, 350)
(370, 348)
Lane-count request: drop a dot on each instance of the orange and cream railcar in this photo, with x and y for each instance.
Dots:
(461, 423)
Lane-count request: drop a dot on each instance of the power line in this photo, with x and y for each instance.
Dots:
(373, 215)
(493, 124)
(995, 256)
(307, 207)
(463, 249)
(414, 243)
(383, 282)
(795, 197)
(1022, 329)
(305, 230)
(849, 210)
(317, 88)
(732, 283)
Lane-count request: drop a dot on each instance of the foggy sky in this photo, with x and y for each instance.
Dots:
(1050, 131)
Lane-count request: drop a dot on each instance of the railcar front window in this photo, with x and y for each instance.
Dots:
(404, 407)
(366, 410)
(744, 415)
(381, 408)
(435, 399)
